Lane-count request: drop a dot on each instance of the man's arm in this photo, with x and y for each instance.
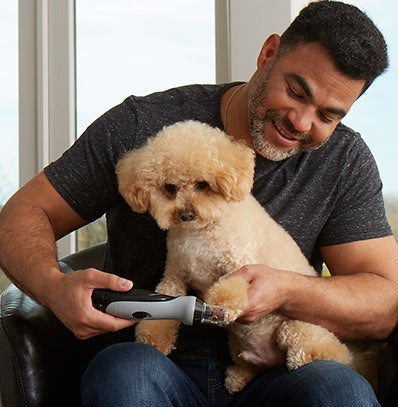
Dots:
(30, 223)
(372, 295)
(359, 301)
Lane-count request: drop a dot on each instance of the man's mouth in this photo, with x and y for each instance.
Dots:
(284, 133)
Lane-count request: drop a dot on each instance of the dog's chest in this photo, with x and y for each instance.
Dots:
(204, 257)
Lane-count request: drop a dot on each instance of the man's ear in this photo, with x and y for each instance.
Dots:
(269, 49)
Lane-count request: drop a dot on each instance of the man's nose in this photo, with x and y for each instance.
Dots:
(302, 118)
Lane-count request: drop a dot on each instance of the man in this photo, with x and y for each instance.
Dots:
(315, 176)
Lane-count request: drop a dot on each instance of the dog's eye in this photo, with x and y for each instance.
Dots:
(171, 188)
(201, 186)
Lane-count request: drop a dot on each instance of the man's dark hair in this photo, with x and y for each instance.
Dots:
(355, 44)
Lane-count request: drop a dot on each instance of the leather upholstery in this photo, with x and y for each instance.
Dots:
(41, 362)
(34, 360)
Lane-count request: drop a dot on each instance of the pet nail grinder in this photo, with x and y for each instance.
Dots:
(145, 304)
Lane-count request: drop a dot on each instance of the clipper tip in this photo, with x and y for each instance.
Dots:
(214, 315)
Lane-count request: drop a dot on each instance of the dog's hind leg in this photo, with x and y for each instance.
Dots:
(162, 334)
(305, 342)
(237, 376)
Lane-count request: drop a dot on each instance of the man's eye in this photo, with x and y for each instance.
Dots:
(325, 119)
(201, 186)
(171, 188)
(293, 93)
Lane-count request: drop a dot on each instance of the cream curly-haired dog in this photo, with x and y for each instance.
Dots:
(196, 182)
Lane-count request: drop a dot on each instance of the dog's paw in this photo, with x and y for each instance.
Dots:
(162, 335)
(305, 343)
(237, 376)
(231, 294)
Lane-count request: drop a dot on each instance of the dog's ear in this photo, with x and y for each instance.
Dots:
(136, 196)
(233, 186)
(132, 185)
(235, 179)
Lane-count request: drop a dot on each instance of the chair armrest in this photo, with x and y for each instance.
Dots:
(91, 257)
(36, 354)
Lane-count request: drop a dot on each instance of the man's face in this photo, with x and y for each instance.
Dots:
(296, 101)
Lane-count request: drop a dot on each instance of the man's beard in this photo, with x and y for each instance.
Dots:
(257, 121)
(262, 145)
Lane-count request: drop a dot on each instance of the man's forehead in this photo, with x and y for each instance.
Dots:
(310, 64)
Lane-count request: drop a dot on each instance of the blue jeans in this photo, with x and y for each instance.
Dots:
(132, 374)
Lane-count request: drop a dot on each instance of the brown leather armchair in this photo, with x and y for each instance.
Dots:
(41, 362)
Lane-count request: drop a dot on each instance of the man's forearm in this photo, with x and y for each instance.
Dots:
(354, 307)
(27, 248)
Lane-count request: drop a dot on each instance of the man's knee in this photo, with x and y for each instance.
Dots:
(334, 384)
(324, 383)
(131, 367)
(133, 374)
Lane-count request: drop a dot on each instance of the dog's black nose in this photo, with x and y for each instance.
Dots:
(187, 215)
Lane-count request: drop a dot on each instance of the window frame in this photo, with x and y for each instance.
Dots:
(47, 102)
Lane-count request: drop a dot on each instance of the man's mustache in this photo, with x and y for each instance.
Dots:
(286, 124)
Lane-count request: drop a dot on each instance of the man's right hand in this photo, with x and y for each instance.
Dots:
(70, 300)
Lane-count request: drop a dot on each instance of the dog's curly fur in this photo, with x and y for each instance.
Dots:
(196, 182)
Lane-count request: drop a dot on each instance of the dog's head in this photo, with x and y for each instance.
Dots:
(186, 174)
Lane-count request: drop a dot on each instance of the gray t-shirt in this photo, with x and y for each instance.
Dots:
(329, 196)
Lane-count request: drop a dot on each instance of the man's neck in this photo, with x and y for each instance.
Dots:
(234, 113)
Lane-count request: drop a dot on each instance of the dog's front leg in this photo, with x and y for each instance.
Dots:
(175, 280)
(162, 334)
(230, 293)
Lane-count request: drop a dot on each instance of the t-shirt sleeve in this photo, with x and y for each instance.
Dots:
(85, 174)
(359, 213)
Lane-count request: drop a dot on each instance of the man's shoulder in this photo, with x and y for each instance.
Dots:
(344, 147)
(181, 94)
(346, 136)
(152, 112)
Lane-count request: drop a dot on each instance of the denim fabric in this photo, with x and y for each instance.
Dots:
(132, 374)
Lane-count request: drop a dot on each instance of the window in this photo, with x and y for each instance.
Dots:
(9, 99)
(137, 47)
(373, 115)
(134, 46)
(8, 105)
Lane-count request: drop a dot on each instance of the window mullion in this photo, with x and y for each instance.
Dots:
(47, 123)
